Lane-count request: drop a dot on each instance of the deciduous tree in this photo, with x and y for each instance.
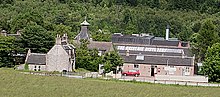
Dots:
(211, 65)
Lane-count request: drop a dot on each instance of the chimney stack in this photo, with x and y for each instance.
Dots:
(167, 32)
(4, 32)
(58, 40)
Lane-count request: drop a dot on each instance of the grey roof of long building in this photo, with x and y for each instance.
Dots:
(131, 39)
(159, 60)
(150, 53)
(165, 42)
(106, 46)
(38, 59)
(145, 40)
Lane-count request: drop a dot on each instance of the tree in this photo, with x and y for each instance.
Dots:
(206, 37)
(112, 60)
(107, 67)
(87, 59)
(37, 38)
(7, 2)
(211, 65)
(6, 51)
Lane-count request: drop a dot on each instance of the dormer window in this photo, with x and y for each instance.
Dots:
(140, 57)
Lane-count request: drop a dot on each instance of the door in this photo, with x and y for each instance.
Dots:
(152, 71)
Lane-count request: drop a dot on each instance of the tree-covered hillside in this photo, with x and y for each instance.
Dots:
(111, 16)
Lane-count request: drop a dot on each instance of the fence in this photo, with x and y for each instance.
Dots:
(175, 80)
(172, 82)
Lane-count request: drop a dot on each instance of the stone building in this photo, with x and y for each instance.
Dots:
(154, 55)
(61, 57)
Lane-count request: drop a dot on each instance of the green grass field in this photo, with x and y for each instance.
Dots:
(15, 84)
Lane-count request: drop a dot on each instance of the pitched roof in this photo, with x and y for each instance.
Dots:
(146, 40)
(85, 23)
(107, 46)
(36, 58)
(159, 60)
(131, 39)
(165, 42)
(84, 34)
(150, 53)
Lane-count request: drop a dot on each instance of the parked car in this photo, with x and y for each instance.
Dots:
(131, 73)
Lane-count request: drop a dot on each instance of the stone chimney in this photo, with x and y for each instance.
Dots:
(58, 40)
(64, 39)
(4, 32)
(18, 32)
(167, 32)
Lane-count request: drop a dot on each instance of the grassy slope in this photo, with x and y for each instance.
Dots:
(13, 83)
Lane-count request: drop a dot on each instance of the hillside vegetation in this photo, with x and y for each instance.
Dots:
(15, 84)
(111, 16)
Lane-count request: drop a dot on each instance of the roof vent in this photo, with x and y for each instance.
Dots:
(144, 34)
(140, 57)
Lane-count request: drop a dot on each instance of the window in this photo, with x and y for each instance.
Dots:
(187, 72)
(187, 69)
(35, 68)
(38, 68)
(139, 57)
(136, 66)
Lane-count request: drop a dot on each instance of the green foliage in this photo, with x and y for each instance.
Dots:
(107, 66)
(90, 60)
(113, 58)
(87, 59)
(211, 65)
(112, 16)
(206, 37)
(26, 67)
(37, 38)
(6, 50)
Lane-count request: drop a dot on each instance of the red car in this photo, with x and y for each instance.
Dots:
(131, 73)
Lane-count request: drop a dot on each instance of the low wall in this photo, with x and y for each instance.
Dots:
(182, 78)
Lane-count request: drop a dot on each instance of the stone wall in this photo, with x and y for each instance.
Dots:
(57, 59)
(34, 67)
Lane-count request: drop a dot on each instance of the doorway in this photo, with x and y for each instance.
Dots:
(152, 71)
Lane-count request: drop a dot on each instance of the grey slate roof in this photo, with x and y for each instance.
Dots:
(165, 42)
(145, 40)
(38, 59)
(106, 46)
(159, 60)
(151, 53)
(131, 39)
(84, 34)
